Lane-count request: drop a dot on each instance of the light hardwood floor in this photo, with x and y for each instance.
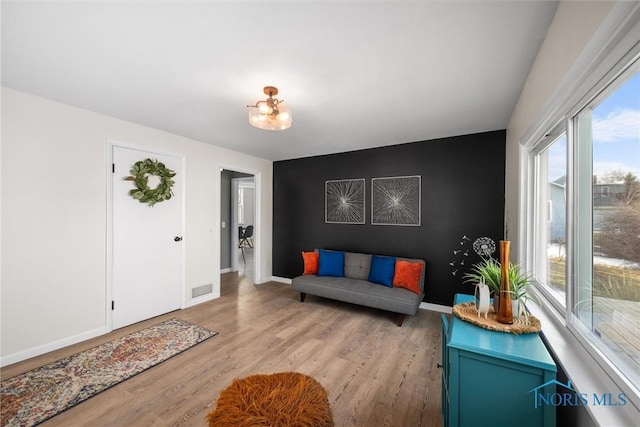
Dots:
(375, 373)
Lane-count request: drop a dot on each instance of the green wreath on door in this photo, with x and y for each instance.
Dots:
(140, 176)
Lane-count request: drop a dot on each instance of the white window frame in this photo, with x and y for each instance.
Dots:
(615, 45)
(240, 205)
(533, 263)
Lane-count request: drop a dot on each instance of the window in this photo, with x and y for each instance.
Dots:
(605, 304)
(551, 214)
(585, 228)
(240, 205)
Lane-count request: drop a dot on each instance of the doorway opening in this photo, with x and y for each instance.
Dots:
(239, 223)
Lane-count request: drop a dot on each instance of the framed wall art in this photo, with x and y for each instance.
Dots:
(396, 200)
(344, 201)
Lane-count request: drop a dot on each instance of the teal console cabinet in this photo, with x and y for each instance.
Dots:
(491, 378)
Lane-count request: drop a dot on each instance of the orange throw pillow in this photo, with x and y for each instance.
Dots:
(310, 262)
(407, 275)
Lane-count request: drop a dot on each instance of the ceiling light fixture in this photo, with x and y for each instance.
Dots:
(271, 113)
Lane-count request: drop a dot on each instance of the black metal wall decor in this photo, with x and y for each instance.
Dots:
(396, 200)
(344, 201)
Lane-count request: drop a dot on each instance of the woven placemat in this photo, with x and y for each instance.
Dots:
(521, 325)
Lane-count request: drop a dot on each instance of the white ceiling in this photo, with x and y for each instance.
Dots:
(356, 74)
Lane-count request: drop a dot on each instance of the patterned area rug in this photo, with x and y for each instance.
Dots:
(37, 395)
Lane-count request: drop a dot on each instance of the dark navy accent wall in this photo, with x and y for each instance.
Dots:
(462, 195)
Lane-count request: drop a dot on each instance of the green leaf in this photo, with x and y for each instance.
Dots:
(140, 175)
(141, 182)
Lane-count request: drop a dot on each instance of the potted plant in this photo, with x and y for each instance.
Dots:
(519, 281)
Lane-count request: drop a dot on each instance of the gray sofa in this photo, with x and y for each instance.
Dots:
(356, 289)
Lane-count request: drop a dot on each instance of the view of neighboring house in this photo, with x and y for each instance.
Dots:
(606, 199)
(557, 210)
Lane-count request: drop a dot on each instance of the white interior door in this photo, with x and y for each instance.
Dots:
(147, 245)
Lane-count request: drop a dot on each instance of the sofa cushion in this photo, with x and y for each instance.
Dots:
(382, 269)
(407, 275)
(331, 263)
(356, 266)
(310, 262)
(422, 274)
(361, 292)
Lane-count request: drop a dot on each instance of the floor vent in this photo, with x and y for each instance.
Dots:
(201, 290)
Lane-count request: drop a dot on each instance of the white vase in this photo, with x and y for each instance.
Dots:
(482, 299)
(516, 308)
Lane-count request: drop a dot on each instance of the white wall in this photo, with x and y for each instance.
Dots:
(249, 209)
(573, 26)
(54, 218)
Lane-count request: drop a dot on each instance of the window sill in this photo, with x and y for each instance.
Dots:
(586, 375)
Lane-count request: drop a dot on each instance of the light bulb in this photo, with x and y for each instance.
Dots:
(264, 108)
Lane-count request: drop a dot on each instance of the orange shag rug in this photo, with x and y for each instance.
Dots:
(282, 399)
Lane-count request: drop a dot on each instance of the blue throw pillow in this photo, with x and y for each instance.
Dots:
(382, 270)
(331, 263)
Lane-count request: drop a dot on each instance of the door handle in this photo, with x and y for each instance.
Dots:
(177, 238)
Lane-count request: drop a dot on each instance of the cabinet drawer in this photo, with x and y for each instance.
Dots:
(488, 377)
(497, 392)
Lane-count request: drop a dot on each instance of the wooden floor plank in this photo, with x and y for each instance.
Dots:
(375, 373)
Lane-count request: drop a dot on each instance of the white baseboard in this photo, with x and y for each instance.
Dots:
(435, 307)
(64, 342)
(281, 280)
(226, 270)
(55, 345)
(201, 299)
